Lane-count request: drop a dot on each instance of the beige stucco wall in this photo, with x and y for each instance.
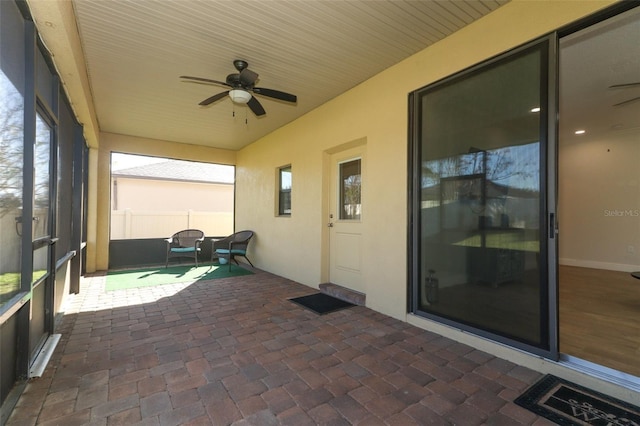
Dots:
(374, 112)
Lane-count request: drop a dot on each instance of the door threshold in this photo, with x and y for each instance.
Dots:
(38, 366)
(344, 293)
(619, 378)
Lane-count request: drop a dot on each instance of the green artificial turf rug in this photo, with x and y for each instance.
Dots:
(124, 279)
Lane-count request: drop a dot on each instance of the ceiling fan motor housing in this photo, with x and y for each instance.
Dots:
(233, 80)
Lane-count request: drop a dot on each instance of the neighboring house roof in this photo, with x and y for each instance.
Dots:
(189, 171)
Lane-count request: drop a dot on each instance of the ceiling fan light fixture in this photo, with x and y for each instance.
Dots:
(240, 88)
(239, 96)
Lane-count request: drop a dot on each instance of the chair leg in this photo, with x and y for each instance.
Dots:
(248, 261)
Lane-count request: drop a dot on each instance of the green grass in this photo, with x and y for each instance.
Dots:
(9, 278)
(9, 285)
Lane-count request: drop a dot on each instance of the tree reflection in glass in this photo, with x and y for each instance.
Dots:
(11, 160)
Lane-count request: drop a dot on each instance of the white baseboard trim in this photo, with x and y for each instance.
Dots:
(620, 267)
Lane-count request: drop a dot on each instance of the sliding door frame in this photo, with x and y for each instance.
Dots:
(547, 203)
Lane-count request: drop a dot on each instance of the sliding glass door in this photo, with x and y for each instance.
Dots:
(480, 234)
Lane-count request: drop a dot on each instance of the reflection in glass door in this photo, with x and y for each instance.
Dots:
(11, 181)
(479, 203)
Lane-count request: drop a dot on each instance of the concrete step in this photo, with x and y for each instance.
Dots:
(344, 293)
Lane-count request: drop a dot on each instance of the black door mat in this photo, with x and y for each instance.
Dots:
(321, 303)
(566, 403)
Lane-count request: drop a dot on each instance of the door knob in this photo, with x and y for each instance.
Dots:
(330, 224)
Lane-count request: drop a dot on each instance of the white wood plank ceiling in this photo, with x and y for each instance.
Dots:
(135, 52)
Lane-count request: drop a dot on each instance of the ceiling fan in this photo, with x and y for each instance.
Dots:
(242, 85)
(626, 86)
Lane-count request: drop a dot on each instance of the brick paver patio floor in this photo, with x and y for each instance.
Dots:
(236, 351)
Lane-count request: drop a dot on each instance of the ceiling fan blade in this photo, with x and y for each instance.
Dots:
(276, 94)
(189, 79)
(248, 77)
(628, 101)
(214, 98)
(620, 86)
(256, 107)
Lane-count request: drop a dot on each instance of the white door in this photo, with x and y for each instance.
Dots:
(345, 220)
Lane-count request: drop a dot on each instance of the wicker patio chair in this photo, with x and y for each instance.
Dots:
(233, 245)
(185, 243)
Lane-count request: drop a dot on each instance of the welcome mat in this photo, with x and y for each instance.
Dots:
(566, 403)
(120, 280)
(321, 303)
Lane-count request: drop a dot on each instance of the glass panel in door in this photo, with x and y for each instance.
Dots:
(41, 201)
(40, 303)
(350, 190)
(481, 233)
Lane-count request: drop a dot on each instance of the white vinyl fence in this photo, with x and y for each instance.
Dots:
(10, 243)
(133, 224)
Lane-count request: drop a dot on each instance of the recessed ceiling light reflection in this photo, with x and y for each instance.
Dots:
(536, 109)
(580, 132)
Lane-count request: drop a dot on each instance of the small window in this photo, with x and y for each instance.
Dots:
(284, 191)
